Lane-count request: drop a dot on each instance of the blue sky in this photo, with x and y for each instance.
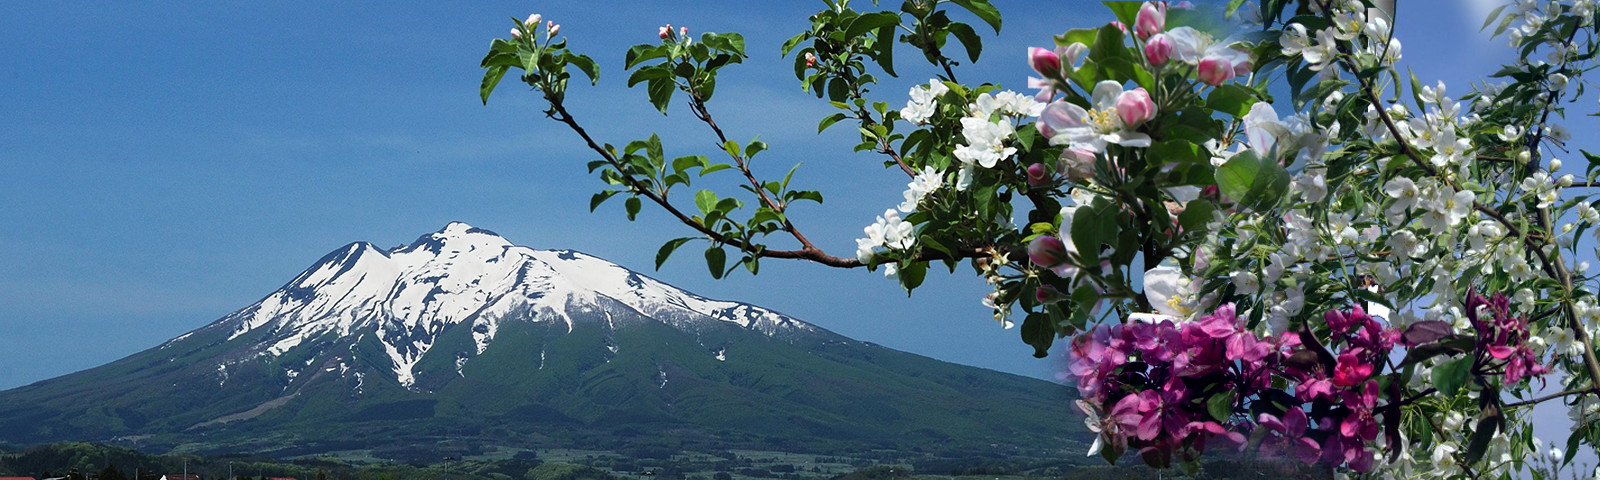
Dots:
(162, 165)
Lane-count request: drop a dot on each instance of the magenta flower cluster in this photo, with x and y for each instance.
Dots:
(1502, 338)
(1171, 389)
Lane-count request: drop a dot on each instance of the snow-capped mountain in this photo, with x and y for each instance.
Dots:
(407, 296)
(464, 339)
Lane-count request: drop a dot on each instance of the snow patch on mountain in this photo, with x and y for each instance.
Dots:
(407, 296)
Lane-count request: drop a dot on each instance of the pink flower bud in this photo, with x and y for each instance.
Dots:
(1038, 175)
(683, 31)
(1120, 26)
(1158, 49)
(811, 60)
(552, 29)
(1047, 294)
(1047, 251)
(1045, 62)
(666, 31)
(1215, 70)
(533, 21)
(1152, 19)
(1135, 107)
(516, 33)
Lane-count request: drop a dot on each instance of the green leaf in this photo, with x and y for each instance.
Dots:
(1221, 406)
(829, 120)
(633, 205)
(1176, 151)
(1232, 99)
(660, 91)
(1450, 376)
(1493, 14)
(706, 200)
(886, 49)
(585, 65)
(969, 39)
(668, 248)
(640, 53)
(1127, 12)
(716, 259)
(599, 198)
(912, 274)
(1254, 182)
(755, 146)
(1037, 331)
(871, 21)
(648, 73)
(985, 11)
(1196, 214)
(491, 78)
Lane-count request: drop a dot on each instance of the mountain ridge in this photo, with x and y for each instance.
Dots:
(462, 336)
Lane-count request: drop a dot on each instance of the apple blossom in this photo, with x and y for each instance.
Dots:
(1046, 62)
(1134, 107)
(1158, 49)
(1068, 124)
(1152, 19)
(1215, 71)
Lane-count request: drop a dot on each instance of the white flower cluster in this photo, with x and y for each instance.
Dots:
(1366, 30)
(926, 182)
(888, 231)
(924, 102)
(988, 128)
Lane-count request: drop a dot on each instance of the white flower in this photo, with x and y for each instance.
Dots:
(888, 231)
(1312, 185)
(1446, 209)
(1448, 149)
(1165, 288)
(985, 142)
(1405, 244)
(1444, 455)
(1294, 39)
(1069, 124)
(924, 101)
(923, 184)
(1588, 213)
(1246, 282)
(1453, 421)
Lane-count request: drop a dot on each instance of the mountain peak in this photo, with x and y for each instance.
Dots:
(457, 237)
(409, 296)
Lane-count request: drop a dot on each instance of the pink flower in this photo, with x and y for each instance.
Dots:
(1152, 19)
(1077, 163)
(1135, 107)
(1046, 62)
(1047, 251)
(1048, 294)
(1037, 175)
(1215, 70)
(533, 21)
(666, 31)
(1350, 370)
(1158, 49)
